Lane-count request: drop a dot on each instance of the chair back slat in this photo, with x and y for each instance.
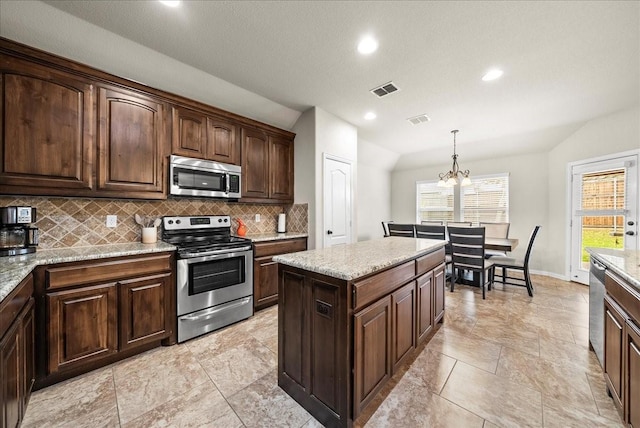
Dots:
(430, 231)
(397, 229)
(496, 230)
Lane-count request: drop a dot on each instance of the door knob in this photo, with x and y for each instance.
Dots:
(329, 232)
(630, 232)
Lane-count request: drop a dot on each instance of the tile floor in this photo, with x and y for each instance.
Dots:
(508, 361)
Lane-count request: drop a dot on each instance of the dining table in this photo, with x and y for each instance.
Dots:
(500, 244)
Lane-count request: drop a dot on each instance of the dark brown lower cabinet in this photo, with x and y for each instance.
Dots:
(340, 341)
(93, 313)
(372, 343)
(265, 270)
(613, 349)
(633, 372)
(16, 353)
(622, 346)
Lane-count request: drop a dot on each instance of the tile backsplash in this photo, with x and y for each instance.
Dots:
(80, 222)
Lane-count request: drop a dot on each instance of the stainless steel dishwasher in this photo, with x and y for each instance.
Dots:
(596, 308)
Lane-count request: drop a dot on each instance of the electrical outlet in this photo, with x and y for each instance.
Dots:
(257, 218)
(112, 220)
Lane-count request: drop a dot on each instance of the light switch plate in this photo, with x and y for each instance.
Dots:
(112, 220)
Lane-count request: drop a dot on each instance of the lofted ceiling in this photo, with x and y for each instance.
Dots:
(564, 62)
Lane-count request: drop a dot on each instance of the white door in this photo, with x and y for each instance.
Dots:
(604, 209)
(337, 201)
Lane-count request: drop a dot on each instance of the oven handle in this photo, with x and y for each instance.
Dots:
(214, 252)
(212, 312)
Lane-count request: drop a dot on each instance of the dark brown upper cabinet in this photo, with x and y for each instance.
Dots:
(130, 144)
(267, 167)
(47, 125)
(198, 135)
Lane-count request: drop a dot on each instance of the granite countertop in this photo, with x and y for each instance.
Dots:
(361, 258)
(625, 263)
(14, 269)
(276, 236)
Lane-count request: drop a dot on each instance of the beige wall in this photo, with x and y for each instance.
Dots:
(538, 185)
(527, 194)
(611, 134)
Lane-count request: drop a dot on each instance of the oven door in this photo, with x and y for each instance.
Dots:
(207, 281)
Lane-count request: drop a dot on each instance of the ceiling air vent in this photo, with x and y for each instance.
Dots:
(417, 120)
(386, 89)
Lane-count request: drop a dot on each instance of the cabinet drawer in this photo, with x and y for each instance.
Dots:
(14, 302)
(429, 261)
(623, 294)
(376, 286)
(279, 247)
(103, 271)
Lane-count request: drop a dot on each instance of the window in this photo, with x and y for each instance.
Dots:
(434, 203)
(485, 200)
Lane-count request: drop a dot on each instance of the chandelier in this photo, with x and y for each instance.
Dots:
(451, 178)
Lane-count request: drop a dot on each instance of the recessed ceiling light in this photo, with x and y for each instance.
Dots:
(367, 45)
(492, 74)
(170, 3)
(370, 116)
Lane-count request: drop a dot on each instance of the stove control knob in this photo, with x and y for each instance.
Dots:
(178, 222)
(219, 220)
(170, 222)
(226, 220)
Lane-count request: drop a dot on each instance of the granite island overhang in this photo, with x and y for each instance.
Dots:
(348, 318)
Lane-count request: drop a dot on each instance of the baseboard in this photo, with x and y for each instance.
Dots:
(550, 274)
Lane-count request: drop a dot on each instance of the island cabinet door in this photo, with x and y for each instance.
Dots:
(403, 311)
(372, 343)
(438, 293)
(424, 312)
(613, 350)
(633, 374)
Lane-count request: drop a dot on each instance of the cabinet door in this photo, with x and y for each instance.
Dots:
(82, 325)
(633, 374)
(424, 315)
(222, 142)
(131, 143)
(265, 282)
(47, 126)
(438, 292)
(403, 308)
(11, 370)
(613, 350)
(281, 168)
(372, 350)
(255, 164)
(27, 331)
(189, 133)
(144, 313)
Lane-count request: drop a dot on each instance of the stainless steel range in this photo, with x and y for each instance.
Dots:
(214, 273)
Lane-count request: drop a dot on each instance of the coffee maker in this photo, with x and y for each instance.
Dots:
(16, 235)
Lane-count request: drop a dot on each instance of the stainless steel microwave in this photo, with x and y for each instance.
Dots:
(199, 177)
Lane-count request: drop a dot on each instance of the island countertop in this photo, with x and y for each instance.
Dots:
(625, 263)
(356, 260)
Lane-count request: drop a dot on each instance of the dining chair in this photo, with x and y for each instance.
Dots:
(432, 222)
(397, 229)
(459, 223)
(467, 252)
(385, 229)
(507, 263)
(495, 230)
(434, 232)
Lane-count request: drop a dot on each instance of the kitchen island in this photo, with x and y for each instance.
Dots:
(621, 328)
(349, 316)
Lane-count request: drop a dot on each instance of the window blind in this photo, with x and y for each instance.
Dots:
(485, 200)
